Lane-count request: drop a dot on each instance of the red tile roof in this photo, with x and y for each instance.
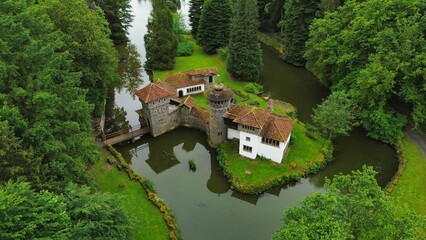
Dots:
(201, 113)
(272, 126)
(277, 128)
(188, 102)
(180, 80)
(151, 93)
(203, 72)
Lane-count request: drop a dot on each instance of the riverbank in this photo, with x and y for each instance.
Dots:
(147, 220)
(308, 154)
(271, 42)
(410, 190)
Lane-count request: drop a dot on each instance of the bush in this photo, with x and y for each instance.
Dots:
(185, 48)
(223, 53)
(192, 165)
(150, 185)
(292, 139)
(254, 88)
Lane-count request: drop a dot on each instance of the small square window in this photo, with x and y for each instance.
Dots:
(248, 139)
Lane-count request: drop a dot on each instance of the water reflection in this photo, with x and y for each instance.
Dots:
(115, 117)
(129, 68)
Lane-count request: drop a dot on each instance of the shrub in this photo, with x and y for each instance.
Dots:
(254, 88)
(311, 128)
(192, 165)
(292, 139)
(223, 53)
(293, 165)
(185, 48)
(149, 185)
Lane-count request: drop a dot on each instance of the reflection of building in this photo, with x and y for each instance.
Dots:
(260, 132)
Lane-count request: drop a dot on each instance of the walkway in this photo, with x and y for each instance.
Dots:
(125, 134)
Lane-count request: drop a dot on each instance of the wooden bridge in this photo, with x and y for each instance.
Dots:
(125, 134)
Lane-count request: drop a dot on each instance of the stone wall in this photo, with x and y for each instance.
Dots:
(188, 120)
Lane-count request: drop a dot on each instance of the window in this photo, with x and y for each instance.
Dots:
(161, 120)
(219, 133)
(247, 148)
(270, 142)
(248, 127)
(248, 139)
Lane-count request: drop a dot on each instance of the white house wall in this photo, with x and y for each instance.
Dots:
(275, 153)
(254, 143)
(185, 90)
(232, 133)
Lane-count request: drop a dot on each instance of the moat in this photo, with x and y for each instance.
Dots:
(204, 205)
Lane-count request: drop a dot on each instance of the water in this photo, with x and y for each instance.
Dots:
(205, 206)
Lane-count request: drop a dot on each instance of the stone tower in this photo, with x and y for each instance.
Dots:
(220, 99)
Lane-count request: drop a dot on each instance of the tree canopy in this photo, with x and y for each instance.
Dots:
(335, 115)
(376, 51)
(195, 9)
(160, 40)
(353, 207)
(245, 55)
(214, 25)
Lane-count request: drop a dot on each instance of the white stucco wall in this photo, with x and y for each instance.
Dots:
(254, 143)
(185, 90)
(232, 133)
(275, 153)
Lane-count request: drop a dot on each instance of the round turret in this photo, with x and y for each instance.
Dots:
(219, 93)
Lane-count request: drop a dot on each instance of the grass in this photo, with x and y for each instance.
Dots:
(201, 59)
(147, 220)
(411, 189)
(272, 42)
(201, 101)
(255, 176)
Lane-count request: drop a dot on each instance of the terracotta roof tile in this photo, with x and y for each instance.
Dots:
(203, 72)
(277, 128)
(255, 117)
(151, 93)
(188, 102)
(201, 113)
(180, 80)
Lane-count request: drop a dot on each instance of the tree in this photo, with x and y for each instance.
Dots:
(335, 115)
(25, 214)
(160, 40)
(17, 163)
(298, 15)
(214, 26)
(353, 207)
(245, 55)
(95, 215)
(76, 214)
(89, 44)
(118, 13)
(39, 94)
(375, 51)
(195, 9)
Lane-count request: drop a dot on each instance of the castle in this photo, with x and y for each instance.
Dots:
(168, 104)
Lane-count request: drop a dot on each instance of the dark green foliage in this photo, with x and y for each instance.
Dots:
(76, 214)
(375, 51)
(192, 165)
(160, 40)
(298, 16)
(223, 53)
(118, 13)
(18, 163)
(275, 12)
(195, 9)
(87, 39)
(214, 25)
(254, 88)
(353, 207)
(25, 214)
(150, 185)
(39, 93)
(328, 6)
(129, 68)
(335, 115)
(95, 215)
(185, 48)
(245, 55)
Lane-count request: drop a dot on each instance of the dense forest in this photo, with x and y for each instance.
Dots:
(56, 60)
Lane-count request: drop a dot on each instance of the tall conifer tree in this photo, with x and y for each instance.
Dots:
(160, 40)
(245, 54)
(298, 16)
(195, 14)
(213, 30)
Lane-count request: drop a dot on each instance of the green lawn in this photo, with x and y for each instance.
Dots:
(203, 60)
(411, 189)
(255, 176)
(147, 220)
